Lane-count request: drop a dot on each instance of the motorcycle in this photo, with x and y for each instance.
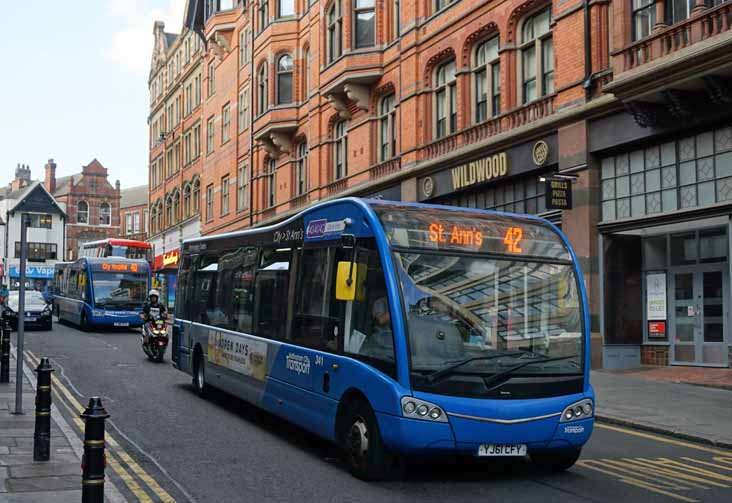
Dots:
(155, 338)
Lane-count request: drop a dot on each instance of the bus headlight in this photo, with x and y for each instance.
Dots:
(580, 410)
(415, 408)
(97, 312)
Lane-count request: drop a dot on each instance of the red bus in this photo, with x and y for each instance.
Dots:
(126, 248)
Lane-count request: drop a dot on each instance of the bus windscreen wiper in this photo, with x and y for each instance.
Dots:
(438, 374)
(500, 375)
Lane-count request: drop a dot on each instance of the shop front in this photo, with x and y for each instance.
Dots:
(664, 235)
(165, 276)
(37, 277)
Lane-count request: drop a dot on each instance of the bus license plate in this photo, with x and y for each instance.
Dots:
(121, 324)
(502, 450)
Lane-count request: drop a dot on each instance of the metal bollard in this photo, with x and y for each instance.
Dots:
(4, 351)
(92, 464)
(42, 435)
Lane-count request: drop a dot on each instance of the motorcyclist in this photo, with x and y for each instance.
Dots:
(152, 309)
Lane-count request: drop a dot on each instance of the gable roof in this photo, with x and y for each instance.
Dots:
(134, 196)
(63, 184)
(35, 197)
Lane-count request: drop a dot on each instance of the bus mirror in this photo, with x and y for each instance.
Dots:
(355, 289)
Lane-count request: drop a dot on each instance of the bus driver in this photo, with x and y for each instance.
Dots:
(380, 342)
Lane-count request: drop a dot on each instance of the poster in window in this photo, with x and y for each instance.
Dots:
(656, 296)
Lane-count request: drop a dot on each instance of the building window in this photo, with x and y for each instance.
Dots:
(340, 150)
(284, 80)
(169, 210)
(644, 17)
(387, 128)
(211, 78)
(153, 218)
(38, 252)
(537, 56)
(187, 201)
(197, 90)
(196, 196)
(285, 8)
(243, 110)
(39, 220)
(678, 10)
(441, 4)
(82, 212)
(209, 202)
(445, 100)
(243, 47)
(263, 14)
(301, 173)
(487, 78)
(364, 16)
(226, 123)
(225, 195)
(176, 206)
(335, 31)
(242, 180)
(146, 218)
(271, 182)
(397, 18)
(105, 214)
(160, 216)
(196, 141)
(136, 222)
(306, 75)
(210, 135)
(262, 89)
(128, 223)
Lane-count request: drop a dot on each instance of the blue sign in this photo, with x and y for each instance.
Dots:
(33, 271)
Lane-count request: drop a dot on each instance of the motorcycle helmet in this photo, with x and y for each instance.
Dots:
(153, 292)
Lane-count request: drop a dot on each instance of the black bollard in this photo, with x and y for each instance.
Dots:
(42, 435)
(92, 465)
(4, 350)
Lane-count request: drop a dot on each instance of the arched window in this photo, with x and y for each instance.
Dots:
(445, 100)
(196, 196)
(187, 201)
(105, 214)
(334, 19)
(153, 218)
(160, 216)
(537, 56)
(262, 89)
(306, 75)
(340, 150)
(168, 210)
(365, 23)
(176, 206)
(284, 79)
(82, 212)
(387, 128)
(487, 78)
(271, 182)
(301, 173)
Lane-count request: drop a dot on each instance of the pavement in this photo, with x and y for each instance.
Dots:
(655, 400)
(23, 480)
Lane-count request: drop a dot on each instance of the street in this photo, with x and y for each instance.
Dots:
(169, 445)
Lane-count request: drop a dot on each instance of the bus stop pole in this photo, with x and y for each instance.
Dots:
(21, 316)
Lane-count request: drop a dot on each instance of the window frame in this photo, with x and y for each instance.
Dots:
(211, 79)
(105, 214)
(263, 89)
(242, 183)
(225, 123)
(387, 124)
(209, 202)
(280, 15)
(224, 199)
(356, 10)
(284, 73)
(340, 150)
(85, 212)
(300, 182)
(271, 182)
(210, 134)
(488, 69)
(635, 14)
(537, 44)
(334, 31)
(445, 94)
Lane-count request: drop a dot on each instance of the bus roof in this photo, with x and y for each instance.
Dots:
(118, 242)
(363, 203)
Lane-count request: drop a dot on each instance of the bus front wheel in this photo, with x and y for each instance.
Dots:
(366, 456)
(556, 460)
(84, 322)
(199, 376)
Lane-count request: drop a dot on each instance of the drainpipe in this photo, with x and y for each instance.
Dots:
(587, 84)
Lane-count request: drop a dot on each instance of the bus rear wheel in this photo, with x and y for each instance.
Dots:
(366, 456)
(199, 376)
(556, 460)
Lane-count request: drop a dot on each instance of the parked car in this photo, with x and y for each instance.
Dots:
(37, 310)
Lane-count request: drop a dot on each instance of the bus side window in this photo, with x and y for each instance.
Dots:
(313, 325)
(368, 334)
(183, 288)
(204, 290)
(271, 293)
(73, 284)
(236, 288)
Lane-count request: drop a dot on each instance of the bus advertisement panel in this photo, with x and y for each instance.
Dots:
(395, 328)
(101, 291)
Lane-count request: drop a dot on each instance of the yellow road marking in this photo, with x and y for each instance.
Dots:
(619, 470)
(641, 464)
(686, 468)
(634, 481)
(706, 463)
(661, 474)
(657, 438)
(161, 493)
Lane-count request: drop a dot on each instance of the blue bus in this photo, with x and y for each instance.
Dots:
(396, 329)
(101, 291)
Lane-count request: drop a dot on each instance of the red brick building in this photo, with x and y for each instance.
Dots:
(133, 211)
(91, 202)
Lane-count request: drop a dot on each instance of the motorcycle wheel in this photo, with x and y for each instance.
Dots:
(160, 355)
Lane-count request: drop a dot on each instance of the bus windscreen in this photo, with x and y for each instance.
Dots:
(469, 231)
(119, 290)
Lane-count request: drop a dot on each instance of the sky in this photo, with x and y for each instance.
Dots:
(74, 84)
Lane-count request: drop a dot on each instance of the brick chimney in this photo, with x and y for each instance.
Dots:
(50, 181)
(22, 177)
